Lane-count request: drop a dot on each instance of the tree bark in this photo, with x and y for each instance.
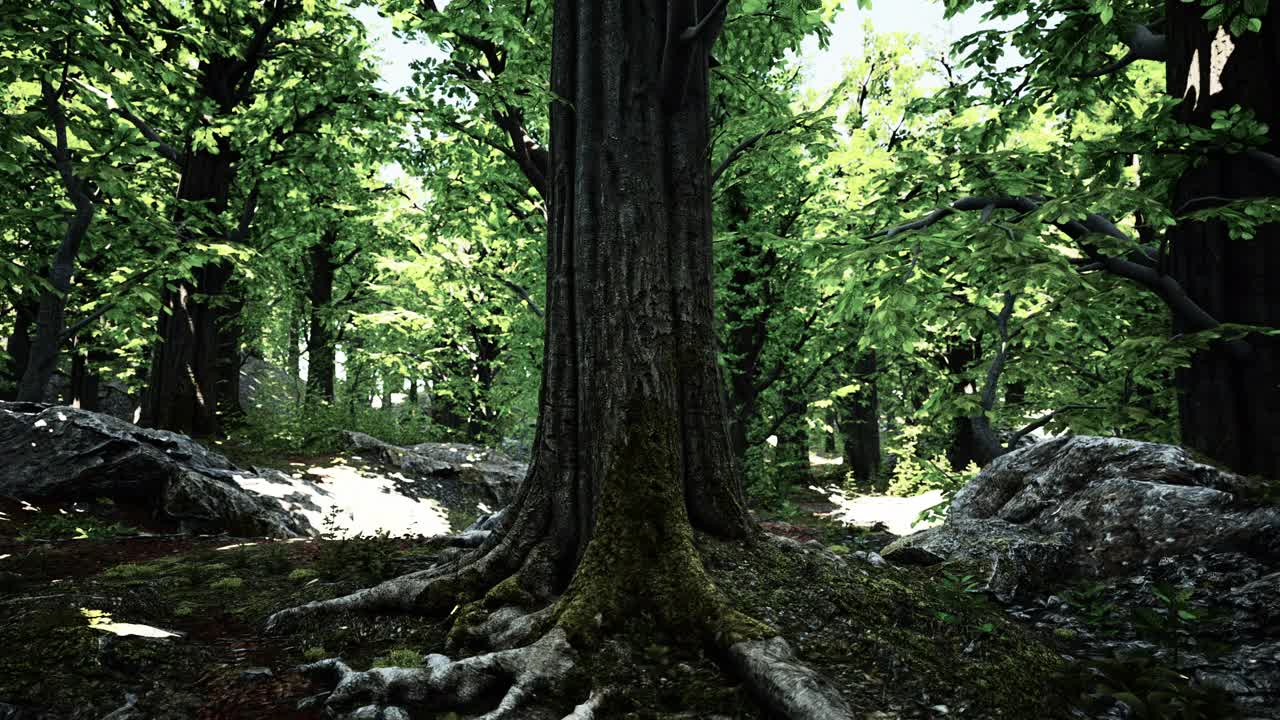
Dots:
(1229, 406)
(860, 424)
(322, 343)
(965, 446)
(184, 385)
(85, 381)
(18, 347)
(51, 315)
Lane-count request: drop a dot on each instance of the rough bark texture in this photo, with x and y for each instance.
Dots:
(1229, 405)
(860, 424)
(631, 452)
(321, 344)
(183, 390)
(18, 347)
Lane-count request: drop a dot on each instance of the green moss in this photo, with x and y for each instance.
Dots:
(184, 609)
(400, 657)
(314, 654)
(227, 583)
(137, 571)
(303, 574)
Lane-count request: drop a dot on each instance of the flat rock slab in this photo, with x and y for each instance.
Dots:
(63, 453)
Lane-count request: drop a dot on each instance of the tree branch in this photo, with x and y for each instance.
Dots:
(1164, 286)
(162, 148)
(1143, 45)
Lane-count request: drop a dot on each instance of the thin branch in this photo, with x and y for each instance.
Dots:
(1017, 436)
(1164, 286)
(162, 148)
(1143, 45)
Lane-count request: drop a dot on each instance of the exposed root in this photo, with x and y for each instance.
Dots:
(789, 688)
(542, 669)
(397, 595)
(588, 709)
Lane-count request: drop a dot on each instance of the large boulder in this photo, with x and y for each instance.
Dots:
(63, 453)
(1121, 506)
(482, 472)
(1128, 518)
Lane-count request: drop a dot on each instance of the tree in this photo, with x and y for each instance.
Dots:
(1228, 401)
(632, 452)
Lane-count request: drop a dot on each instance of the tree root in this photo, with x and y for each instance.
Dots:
(396, 595)
(544, 668)
(789, 688)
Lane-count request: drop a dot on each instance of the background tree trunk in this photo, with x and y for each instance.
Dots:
(1229, 406)
(42, 359)
(183, 392)
(321, 343)
(860, 424)
(18, 346)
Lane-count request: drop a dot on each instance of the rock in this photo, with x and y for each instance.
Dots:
(256, 674)
(54, 452)
(1012, 558)
(1120, 505)
(486, 472)
(1126, 517)
(265, 387)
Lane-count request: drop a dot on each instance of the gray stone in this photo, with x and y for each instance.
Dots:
(63, 453)
(1126, 515)
(485, 472)
(1012, 558)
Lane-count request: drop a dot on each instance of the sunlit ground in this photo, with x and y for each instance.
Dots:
(101, 620)
(899, 514)
(347, 500)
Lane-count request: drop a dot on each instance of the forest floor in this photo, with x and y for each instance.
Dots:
(899, 643)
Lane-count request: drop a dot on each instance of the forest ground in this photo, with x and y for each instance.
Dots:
(899, 643)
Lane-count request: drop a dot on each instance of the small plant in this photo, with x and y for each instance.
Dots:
(314, 654)
(369, 556)
(132, 571)
(1091, 603)
(303, 574)
(1149, 689)
(184, 609)
(400, 657)
(962, 592)
(1169, 622)
(57, 526)
(274, 559)
(227, 584)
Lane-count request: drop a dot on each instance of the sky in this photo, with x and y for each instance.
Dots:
(823, 67)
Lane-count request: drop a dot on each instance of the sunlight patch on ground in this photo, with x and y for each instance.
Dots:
(348, 501)
(101, 620)
(897, 513)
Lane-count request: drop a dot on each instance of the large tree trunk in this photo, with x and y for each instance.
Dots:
(51, 315)
(191, 366)
(1229, 404)
(860, 424)
(631, 452)
(183, 392)
(321, 344)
